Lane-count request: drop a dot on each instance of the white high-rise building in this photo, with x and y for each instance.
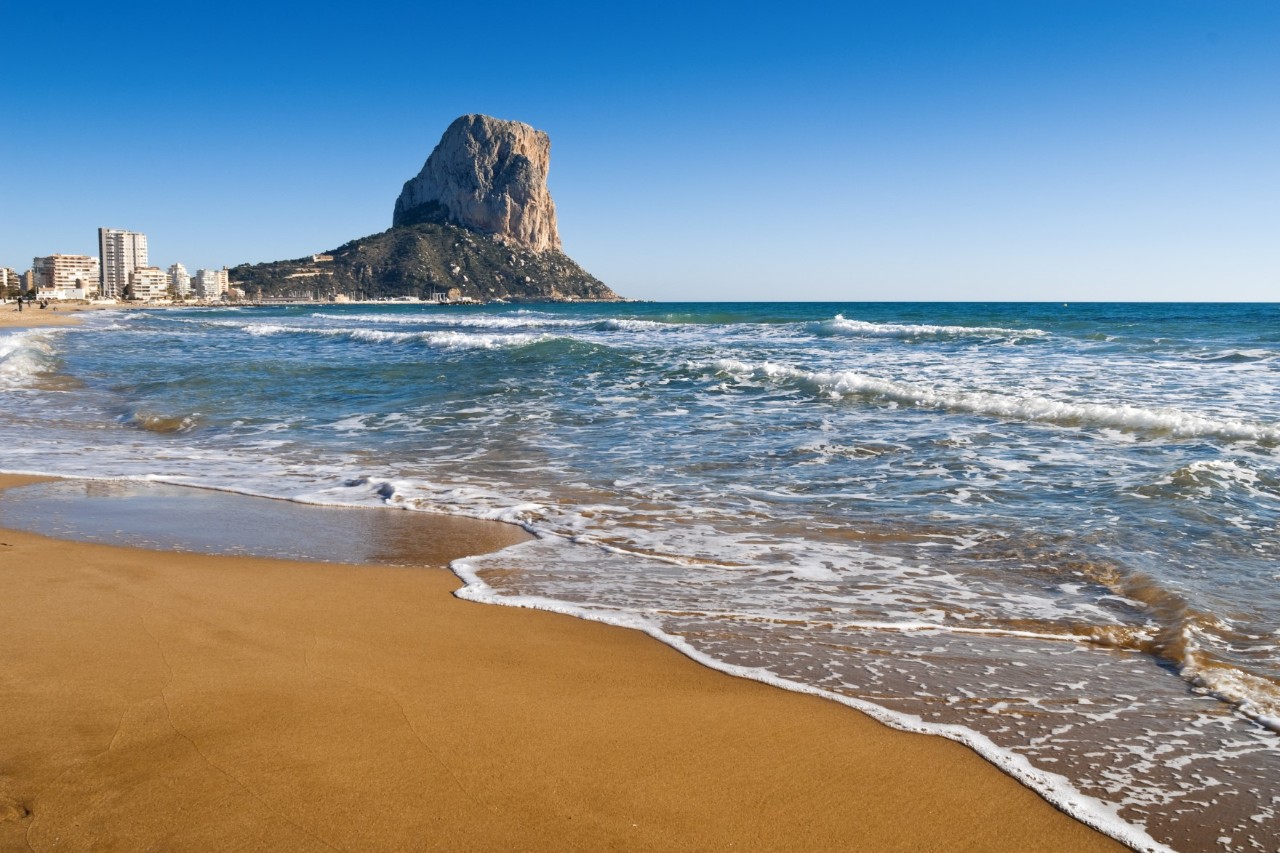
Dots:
(179, 280)
(66, 276)
(121, 252)
(211, 284)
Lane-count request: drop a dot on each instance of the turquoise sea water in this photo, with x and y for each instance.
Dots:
(1050, 531)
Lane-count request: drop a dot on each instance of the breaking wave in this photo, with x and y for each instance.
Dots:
(1163, 421)
(523, 321)
(24, 356)
(841, 326)
(440, 340)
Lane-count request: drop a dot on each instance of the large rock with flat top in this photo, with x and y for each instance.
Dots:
(486, 175)
(476, 223)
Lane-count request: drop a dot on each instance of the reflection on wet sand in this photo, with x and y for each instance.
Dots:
(151, 515)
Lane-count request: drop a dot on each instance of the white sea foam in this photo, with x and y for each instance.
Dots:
(624, 324)
(24, 355)
(441, 340)
(501, 321)
(1203, 477)
(839, 325)
(470, 321)
(840, 384)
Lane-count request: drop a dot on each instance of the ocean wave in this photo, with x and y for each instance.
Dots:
(474, 322)
(840, 326)
(439, 340)
(161, 423)
(630, 325)
(1253, 696)
(523, 321)
(25, 355)
(1161, 421)
(1185, 636)
(1245, 356)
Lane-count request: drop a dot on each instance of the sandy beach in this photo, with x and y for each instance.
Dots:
(57, 314)
(157, 700)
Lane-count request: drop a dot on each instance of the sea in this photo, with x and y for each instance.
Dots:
(1048, 531)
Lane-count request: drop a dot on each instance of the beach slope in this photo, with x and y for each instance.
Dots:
(154, 700)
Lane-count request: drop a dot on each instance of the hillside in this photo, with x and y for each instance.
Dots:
(422, 259)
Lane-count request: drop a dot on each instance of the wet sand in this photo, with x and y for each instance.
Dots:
(177, 701)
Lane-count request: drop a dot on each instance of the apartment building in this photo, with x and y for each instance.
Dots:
(180, 280)
(66, 276)
(148, 283)
(121, 252)
(211, 284)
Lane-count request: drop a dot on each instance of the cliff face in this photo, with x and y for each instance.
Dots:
(486, 175)
(477, 222)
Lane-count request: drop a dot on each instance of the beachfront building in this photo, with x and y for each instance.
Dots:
(180, 281)
(148, 283)
(10, 282)
(65, 277)
(121, 252)
(211, 284)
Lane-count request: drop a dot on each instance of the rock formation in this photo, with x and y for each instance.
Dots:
(424, 260)
(477, 222)
(486, 175)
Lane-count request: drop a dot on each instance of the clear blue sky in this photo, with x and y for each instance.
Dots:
(890, 150)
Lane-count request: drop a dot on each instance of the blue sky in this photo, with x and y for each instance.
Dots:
(907, 150)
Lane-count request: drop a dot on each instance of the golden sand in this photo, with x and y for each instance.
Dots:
(33, 316)
(165, 701)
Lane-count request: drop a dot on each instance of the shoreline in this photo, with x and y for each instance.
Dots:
(190, 700)
(67, 314)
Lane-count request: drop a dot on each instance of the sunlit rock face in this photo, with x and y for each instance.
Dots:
(487, 175)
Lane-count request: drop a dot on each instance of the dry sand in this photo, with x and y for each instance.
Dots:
(165, 701)
(33, 316)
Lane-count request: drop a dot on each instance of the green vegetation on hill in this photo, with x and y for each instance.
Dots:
(422, 259)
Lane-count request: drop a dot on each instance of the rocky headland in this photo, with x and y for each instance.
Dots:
(476, 222)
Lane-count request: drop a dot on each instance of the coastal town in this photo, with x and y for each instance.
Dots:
(121, 272)
(441, 248)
